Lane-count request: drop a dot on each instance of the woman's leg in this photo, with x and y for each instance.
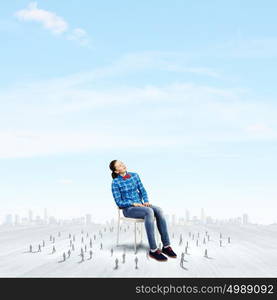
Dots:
(161, 224)
(147, 214)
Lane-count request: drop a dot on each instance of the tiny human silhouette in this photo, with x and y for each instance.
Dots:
(180, 240)
(116, 264)
(182, 260)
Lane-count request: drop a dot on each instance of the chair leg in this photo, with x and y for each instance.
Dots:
(141, 233)
(135, 237)
(117, 238)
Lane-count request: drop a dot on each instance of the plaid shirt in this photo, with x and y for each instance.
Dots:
(128, 191)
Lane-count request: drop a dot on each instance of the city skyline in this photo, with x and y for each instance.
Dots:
(31, 219)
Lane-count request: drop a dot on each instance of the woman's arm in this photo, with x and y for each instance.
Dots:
(142, 189)
(117, 196)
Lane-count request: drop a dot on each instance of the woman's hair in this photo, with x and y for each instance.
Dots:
(112, 167)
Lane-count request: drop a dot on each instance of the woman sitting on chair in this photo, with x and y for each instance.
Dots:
(128, 192)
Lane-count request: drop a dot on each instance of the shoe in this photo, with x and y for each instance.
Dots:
(157, 255)
(169, 252)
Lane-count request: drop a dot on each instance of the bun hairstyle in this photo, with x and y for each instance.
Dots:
(112, 167)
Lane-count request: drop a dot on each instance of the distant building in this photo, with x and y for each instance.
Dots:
(52, 220)
(45, 216)
(187, 216)
(39, 221)
(195, 220)
(16, 220)
(203, 217)
(78, 221)
(209, 220)
(88, 219)
(24, 221)
(245, 219)
(181, 221)
(30, 214)
(8, 220)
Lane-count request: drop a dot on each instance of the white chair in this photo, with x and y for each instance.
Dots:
(121, 217)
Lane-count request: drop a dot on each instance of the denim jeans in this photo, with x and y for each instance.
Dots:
(148, 213)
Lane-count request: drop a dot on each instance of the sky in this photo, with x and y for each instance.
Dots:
(183, 92)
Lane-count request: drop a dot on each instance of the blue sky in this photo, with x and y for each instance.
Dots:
(182, 91)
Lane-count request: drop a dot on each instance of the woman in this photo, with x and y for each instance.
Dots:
(128, 193)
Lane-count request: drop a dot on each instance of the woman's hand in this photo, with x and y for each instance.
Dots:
(137, 204)
(146, 204)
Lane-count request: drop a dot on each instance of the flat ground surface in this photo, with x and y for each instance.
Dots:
(251, 253)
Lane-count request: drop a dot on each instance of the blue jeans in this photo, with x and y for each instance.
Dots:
(148, 213)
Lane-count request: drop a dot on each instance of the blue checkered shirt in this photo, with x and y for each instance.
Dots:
(128, 191)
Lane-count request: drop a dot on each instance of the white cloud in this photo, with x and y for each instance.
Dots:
(49, 20)
(52, 22)
(174, 115)
(70, 141)
(79, 35)
(72, 117)
(199, 70)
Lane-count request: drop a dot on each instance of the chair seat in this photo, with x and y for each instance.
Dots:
(137, 220)
(132, 219)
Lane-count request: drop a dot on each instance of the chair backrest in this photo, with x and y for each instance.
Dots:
(120, 214)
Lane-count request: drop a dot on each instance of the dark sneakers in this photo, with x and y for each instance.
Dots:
(169, 252)
(157, 255)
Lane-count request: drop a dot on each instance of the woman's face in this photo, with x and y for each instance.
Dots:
(120, 167)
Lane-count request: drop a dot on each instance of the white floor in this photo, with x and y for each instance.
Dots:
(251, 253)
